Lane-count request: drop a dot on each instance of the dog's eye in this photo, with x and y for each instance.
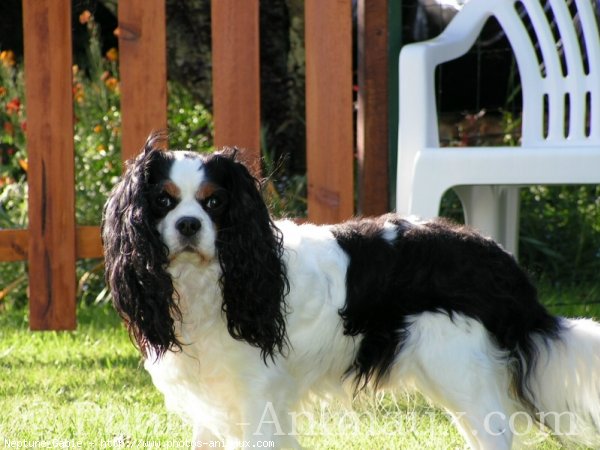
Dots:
(212, 202)
(164, 201)
(216, 202)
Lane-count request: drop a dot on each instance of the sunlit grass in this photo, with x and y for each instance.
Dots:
(86, 385)
(89, 386)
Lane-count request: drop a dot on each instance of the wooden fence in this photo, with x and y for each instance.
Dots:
(53, 241)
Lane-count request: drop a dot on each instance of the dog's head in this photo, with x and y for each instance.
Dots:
(202, 209)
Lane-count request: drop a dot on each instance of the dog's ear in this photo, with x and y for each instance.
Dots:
(136, 259)
(250, 250)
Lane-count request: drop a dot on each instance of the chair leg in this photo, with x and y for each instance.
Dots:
(425, 198)
(510, 202)
(494, 211)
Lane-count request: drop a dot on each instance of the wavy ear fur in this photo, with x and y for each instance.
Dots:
(250, 248)
(136, 259)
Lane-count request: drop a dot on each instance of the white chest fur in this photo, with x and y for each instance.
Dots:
(221, 383)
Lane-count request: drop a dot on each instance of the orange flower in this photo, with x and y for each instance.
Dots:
(78, 93)
(98, 129)
(112, 54)
(7, 57)
(2, 91)
(112, 84)
(24, 164)
(13, 106)
(85, 17)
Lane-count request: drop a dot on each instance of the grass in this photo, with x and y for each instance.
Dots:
(88, 387)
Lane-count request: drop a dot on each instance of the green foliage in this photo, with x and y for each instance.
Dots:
(97, 141)
(97, 129)
(560, 232)
(190, 123)
(570, 299)
(285, 194)
(13, 158)
(13, 171)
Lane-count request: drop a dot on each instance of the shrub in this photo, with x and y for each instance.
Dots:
(560, 233)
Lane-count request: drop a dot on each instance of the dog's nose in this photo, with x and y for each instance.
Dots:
(188, 226)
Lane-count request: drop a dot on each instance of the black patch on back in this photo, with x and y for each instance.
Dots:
(435, 266)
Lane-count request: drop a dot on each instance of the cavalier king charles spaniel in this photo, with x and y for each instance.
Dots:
(240, 317)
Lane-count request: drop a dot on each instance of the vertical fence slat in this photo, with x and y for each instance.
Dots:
(236, 75)
(329, 130)
(372, 117)
(48, 84)
(143, 71)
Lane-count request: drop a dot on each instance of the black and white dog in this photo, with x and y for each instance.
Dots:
(233, 311)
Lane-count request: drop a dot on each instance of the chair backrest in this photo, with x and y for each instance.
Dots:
(557, 47)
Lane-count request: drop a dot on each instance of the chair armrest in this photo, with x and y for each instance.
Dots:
(418, 126)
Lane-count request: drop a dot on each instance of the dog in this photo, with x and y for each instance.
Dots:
(236, 314)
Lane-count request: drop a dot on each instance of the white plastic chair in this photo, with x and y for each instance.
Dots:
(560, 117)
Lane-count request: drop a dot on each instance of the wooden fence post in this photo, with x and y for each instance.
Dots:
(236, 76)
(143, 71)
(329, 117)
(372, 115)
(49, 101)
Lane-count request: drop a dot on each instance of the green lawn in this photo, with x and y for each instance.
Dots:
(88, 387)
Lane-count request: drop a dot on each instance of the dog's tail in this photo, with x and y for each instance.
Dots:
(565, 382)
